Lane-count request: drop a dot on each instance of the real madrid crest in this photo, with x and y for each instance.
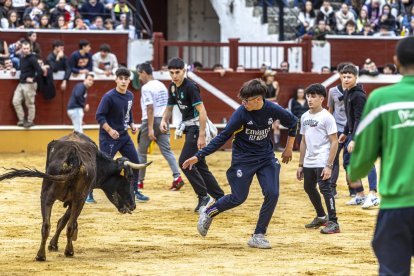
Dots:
(239, 173)
(270, 121)
(182, 95)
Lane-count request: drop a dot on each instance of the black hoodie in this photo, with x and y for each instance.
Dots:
(354, 100)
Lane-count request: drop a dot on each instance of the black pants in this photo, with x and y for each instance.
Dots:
(200, 177)
(312, 176)
(393, 241)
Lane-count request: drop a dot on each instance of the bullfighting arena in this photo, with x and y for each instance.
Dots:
(160, 237)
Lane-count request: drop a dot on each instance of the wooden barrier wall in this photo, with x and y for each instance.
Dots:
(356, 49)
(117, 40)
(53, 112)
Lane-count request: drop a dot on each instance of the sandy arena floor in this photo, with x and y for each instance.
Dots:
(160, 237)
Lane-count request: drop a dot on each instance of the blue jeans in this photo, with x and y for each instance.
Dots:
(372, 176)
(76, 115)
(125, 146)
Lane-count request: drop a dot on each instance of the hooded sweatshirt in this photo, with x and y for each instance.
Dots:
(354, 100)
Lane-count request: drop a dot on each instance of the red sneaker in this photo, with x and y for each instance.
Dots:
(177, 184)
(140, 185)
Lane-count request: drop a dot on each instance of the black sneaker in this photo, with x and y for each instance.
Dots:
(317, 222)
(20, 123)
(202, 201)
(331, 228)
(28, 124)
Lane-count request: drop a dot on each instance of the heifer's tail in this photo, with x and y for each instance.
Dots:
(13, 173)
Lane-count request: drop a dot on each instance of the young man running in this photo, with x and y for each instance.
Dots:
(186, 95)
(114, 115)
(252, 155)
(317, 152)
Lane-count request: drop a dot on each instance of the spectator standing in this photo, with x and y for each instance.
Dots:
(58, 61)
(80, 61)
(104, 62)
(77, 102)
(154, 98)
(26, 89)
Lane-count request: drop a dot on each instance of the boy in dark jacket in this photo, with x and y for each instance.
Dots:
(354, 101)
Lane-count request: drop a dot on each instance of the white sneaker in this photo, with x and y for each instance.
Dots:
(204, 221)
(259, 241)
(370, 201)
(357, 200)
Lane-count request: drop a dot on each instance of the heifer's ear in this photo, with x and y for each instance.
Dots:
(50, 149)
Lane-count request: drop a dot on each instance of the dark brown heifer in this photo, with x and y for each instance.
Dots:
(74, 166)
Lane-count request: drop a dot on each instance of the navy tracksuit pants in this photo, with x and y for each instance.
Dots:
(240, 177)
(125, 146)
(393, 241)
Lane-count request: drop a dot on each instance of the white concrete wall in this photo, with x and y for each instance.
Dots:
(139, 51)
(240, 23)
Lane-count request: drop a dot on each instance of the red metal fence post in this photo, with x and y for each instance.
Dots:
(233, 52)
(158, 51)
(307, 54)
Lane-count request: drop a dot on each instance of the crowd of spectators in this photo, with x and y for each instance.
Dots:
(67, 15)
(368, 18)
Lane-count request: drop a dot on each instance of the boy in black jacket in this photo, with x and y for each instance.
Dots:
(354, 101)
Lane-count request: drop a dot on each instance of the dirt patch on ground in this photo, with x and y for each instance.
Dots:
(161, 238)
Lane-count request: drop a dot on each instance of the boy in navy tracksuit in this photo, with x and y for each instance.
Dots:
(252, 154)
(114, 115)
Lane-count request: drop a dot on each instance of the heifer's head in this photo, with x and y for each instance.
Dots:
(118, 187)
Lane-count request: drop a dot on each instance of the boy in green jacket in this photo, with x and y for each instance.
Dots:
(386, 130)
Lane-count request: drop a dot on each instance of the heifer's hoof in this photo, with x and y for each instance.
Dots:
(40, 258)
(69, 253)
(53, 247)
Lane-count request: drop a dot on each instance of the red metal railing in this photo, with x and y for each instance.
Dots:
(209, 53)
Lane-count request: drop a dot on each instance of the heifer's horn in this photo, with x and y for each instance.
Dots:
(136, 166)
